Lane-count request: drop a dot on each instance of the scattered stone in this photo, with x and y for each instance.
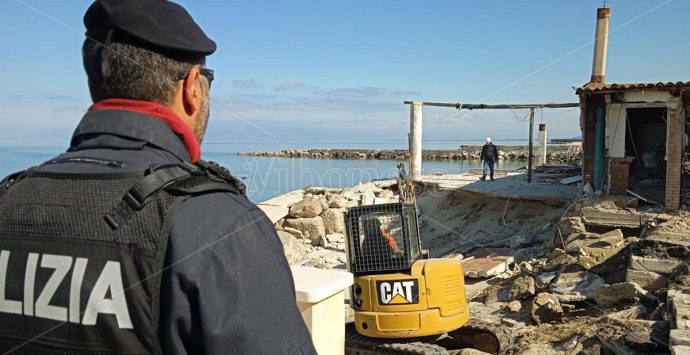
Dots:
(337, 201)
(295, 232)
(544, 279)
(307, 208)
(521, 288)
(312, 228)
(512, 323)
(387, 194)
(334, 220)
(576, 286)
(329, 240)
(557, 252)
(515, 306)
(293, 249)
(608, 296)
(546, 308)
(561, 262)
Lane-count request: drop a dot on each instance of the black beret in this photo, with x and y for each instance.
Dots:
(158, 25)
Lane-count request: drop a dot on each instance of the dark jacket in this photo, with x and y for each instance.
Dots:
(487, 151)
(227, 286)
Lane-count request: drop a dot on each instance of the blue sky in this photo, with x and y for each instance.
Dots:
(327, 72)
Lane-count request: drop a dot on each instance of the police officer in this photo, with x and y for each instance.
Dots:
(128, 242)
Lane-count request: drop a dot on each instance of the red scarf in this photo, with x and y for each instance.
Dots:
(158, 111)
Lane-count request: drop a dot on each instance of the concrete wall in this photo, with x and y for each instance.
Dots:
(646, 96)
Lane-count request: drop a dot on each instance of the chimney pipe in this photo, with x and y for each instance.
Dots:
(601, 43)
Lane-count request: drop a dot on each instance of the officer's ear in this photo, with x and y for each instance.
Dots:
(191, 92)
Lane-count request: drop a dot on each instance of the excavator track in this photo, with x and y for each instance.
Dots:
(356, 344)
(487, 337)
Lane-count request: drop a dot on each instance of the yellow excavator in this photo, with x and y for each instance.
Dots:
(405, 302)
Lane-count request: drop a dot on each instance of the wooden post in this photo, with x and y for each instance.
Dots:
(415, 140)
(531, 143)
(542, 144)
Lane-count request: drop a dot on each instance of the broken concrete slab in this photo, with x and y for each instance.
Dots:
(608, 296)
(546, 308)
(659, 266)
(680, 350)
(679, 337)
(678, 301)
(483, 267)
(648, 280)
(522, 287)
(576, 286)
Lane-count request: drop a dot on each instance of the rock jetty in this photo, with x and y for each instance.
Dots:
(561, 154)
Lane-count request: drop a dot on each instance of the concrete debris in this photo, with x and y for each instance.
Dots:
(521, 288)
(294, 250)
(576, 286)
(337, 201)
(546, 308)
(483, 267)
(312, 228)
(611, 295)
(334, 220)
(659, 266)
(648, 280)
(515, 306)
(543, 280)
(511, 323)
(679, 337)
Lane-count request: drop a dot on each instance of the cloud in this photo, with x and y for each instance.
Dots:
(246, 84)
(60, 97)
(289, 85)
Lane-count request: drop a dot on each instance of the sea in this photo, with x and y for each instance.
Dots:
(267, 177)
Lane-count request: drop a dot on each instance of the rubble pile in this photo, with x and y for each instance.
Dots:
(312, 228)
(601, 285)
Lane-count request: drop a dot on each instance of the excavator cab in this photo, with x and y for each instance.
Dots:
(398, 293)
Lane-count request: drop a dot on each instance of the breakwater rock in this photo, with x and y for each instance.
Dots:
(562, 154)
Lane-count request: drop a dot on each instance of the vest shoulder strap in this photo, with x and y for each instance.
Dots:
(183, 179)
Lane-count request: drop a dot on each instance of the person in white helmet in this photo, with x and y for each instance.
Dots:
(489, 157)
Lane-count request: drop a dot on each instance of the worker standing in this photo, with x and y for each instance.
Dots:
(489, 157)
(128, 242)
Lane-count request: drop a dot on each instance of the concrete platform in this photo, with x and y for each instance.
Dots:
(514, 185)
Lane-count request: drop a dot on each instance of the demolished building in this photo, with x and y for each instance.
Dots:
(634, 134)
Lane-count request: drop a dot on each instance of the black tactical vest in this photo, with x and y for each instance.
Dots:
(81, 265)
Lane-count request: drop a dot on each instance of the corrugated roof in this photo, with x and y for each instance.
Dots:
(594, 87)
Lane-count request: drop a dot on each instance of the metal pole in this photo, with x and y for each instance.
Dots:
(415, 141)
(529, 155)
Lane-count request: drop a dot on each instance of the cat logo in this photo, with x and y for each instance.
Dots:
(398, 292)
